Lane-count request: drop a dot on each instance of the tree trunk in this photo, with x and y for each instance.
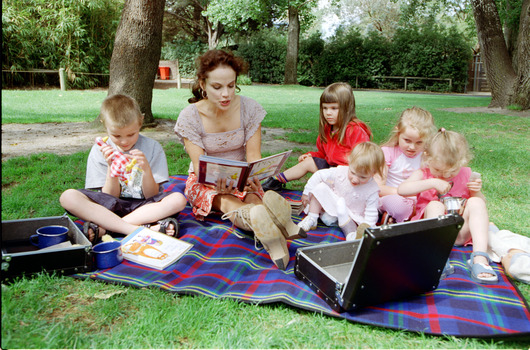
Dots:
(293, 36)
(136, 52)
(521, 96)
(499, 70)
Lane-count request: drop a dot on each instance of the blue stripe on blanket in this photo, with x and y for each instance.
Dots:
(222, 265)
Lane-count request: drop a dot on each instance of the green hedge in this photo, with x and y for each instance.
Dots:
(428, 51)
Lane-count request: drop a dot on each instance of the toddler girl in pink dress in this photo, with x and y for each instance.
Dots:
(444, 173)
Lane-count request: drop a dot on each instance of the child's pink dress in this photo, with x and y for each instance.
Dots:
(400, 167)
(459, 189)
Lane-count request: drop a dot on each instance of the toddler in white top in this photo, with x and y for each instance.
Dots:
(403, 152)
(347, 195)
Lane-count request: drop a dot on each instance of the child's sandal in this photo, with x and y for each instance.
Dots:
(95, 229)
(164, 225)
(477, 268)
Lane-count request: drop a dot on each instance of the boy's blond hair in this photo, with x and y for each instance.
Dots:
(367, 158)
(120, 111)
(448, 148)
(416, 118)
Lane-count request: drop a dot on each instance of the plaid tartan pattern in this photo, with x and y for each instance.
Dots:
(221, 265)
(118, 168)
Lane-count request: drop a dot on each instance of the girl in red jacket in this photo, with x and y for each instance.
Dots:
(339, 132)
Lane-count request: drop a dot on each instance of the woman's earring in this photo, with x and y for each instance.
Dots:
(203, 94)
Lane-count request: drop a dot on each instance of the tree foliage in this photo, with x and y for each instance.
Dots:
(73, 34)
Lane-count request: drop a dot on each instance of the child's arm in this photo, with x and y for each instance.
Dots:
(381, 182)
(371, 213)
(416, 184)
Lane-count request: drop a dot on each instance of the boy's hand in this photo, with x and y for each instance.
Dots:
(108, 153)
(140, 159)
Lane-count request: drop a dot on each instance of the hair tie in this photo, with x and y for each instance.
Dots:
(442, 130)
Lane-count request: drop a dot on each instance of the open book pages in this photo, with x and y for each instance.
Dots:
(153, 249)
(211, 169)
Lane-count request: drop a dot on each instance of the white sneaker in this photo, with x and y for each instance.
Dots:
(308, 223)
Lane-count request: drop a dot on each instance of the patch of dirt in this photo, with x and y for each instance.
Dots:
(68, 138)
(502, 111)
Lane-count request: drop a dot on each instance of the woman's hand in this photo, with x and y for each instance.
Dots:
(225, 186)
(253, 185)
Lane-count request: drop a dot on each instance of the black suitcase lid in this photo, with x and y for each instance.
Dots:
(400, 260)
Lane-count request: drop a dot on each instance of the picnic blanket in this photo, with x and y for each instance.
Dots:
(221, 265)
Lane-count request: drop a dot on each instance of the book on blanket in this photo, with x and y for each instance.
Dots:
(296, 206)
(211, 169)
(153, 249)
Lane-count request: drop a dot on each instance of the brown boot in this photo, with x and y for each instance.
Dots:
(280, 212)
(270, 236)
(240, 217)
(360, 230)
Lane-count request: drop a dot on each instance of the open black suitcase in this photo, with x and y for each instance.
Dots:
(20, 257)
(390, 262)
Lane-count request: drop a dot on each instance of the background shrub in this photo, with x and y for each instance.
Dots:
(70, 34)
(265, 53)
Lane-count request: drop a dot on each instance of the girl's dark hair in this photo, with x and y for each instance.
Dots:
(209, 61)
(341, 93)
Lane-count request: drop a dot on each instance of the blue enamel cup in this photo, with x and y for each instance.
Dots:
(49, 235)
(108, 254)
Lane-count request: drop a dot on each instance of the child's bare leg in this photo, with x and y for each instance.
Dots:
(299, 170)
(434, 209)
(476, 222)
(152, 212)
(81, 206)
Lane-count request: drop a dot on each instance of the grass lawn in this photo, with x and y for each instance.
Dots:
(62, 312)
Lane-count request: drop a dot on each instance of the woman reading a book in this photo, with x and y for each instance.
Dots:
(222, 124)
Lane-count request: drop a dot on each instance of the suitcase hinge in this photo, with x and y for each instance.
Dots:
(338, 293)
(5, 263)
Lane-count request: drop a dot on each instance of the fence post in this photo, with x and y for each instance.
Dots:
(405, 83)
(179, 81)
(62, 79)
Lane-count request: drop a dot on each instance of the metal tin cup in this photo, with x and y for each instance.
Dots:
(452, 204)
(108, 254)
(49, 235)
